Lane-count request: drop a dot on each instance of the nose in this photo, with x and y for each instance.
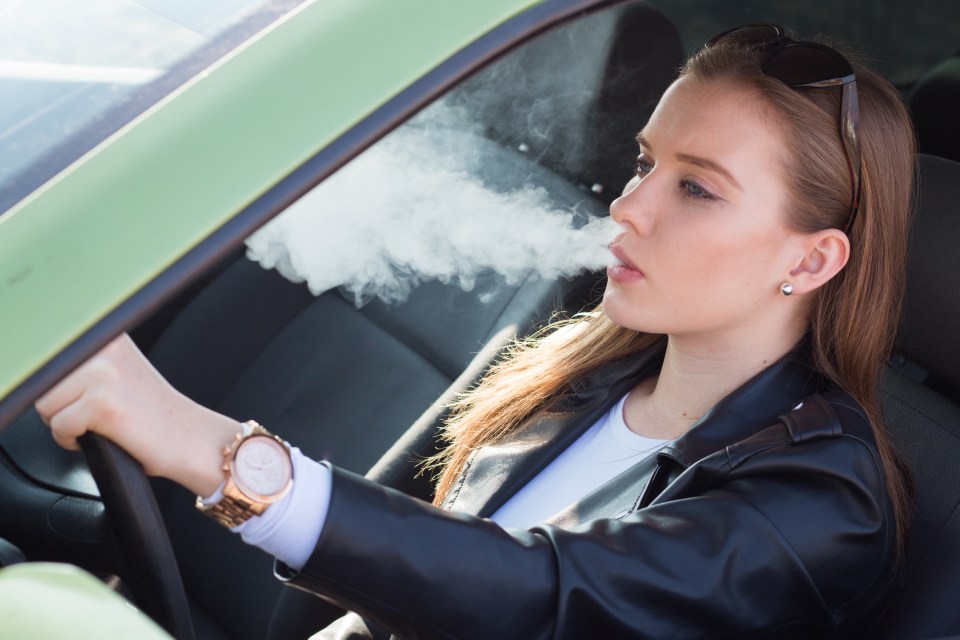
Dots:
(634, 208)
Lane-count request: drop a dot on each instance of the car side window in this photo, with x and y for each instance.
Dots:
(542, 138)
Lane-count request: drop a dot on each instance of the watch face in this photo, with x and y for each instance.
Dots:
(261, 467)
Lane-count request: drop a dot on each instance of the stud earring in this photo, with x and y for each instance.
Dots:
(786, 288)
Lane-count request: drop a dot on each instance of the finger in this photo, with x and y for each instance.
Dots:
(72, 387)
(63, 394)
(70, 423)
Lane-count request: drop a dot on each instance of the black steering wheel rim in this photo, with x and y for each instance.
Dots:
(152, 575)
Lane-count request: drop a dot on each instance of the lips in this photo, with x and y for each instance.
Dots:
(621, 257)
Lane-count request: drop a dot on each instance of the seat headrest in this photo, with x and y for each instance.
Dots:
(935, 102)
(930, 327)
(575, 97)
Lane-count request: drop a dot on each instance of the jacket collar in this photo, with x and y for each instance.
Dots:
(755, 404)
(496, 472)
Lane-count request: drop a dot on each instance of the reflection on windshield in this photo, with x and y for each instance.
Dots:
(72, 73)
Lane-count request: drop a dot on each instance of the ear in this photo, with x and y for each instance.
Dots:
(824, 253)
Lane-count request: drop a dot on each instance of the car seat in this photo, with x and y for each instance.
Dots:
(920, 396)
(935, 101)
(575, 107)
(340, 383)
(343, 383)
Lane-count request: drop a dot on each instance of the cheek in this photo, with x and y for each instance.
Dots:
(725, 269)
(697, 280)
(707, 253)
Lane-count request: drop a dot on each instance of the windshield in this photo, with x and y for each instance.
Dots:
(72, 73)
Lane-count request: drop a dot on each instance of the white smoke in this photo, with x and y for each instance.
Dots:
(413, 208)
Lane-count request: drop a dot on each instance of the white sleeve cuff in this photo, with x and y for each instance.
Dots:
(289, 529)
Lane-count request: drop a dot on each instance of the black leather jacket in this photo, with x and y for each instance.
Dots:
(768, 518)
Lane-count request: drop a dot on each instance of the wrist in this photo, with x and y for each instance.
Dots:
(197, 461)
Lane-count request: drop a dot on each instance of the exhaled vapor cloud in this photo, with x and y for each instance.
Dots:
(413, 208)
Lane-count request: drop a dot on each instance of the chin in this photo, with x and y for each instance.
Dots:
(644, 317)
(627, 314)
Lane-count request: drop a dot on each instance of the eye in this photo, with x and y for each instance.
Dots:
(642, 165)
(691, 189)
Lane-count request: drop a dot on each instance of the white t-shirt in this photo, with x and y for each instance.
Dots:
(289, 529)
(604, 451)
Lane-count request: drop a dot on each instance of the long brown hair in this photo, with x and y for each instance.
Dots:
(853, 317)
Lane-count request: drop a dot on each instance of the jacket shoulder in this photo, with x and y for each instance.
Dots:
(828, 414)
(838, 519)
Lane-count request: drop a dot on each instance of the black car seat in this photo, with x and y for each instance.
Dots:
(920, 397)
(934, 100)
(575, 107)
(340, 383)
(343, 383)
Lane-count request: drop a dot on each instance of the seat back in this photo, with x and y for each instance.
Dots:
(935, 102)
(339, 382)
(575, 98)
(920, 394)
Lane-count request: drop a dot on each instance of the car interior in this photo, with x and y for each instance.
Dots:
(344, 383)
(367, 387)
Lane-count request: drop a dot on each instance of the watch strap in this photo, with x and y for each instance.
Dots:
(229, 511)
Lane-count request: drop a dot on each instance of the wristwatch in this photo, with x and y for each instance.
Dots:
(259, 472)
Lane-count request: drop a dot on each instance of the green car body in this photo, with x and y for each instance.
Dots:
(113, 221)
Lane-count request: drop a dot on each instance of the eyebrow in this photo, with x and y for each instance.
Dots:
(695, 160)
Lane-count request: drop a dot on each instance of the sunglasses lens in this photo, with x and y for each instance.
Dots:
(805, 63)
(750, 35)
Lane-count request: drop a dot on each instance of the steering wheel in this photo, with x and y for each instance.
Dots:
(66, 518)
(131, 508)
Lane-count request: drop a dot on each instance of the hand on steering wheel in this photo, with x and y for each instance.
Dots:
(118, 394)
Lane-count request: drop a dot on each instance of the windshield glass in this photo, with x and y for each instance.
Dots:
(72, 73)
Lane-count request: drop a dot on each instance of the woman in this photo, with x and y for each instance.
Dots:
(704, 457)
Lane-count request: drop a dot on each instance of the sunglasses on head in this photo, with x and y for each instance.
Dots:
(808, 64)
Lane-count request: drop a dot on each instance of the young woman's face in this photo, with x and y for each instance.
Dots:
(704, 245)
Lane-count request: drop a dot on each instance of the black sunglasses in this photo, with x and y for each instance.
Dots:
(808, 64)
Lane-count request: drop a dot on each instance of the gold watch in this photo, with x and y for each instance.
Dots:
(259, 472)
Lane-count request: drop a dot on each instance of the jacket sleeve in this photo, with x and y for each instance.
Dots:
(773, 547)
